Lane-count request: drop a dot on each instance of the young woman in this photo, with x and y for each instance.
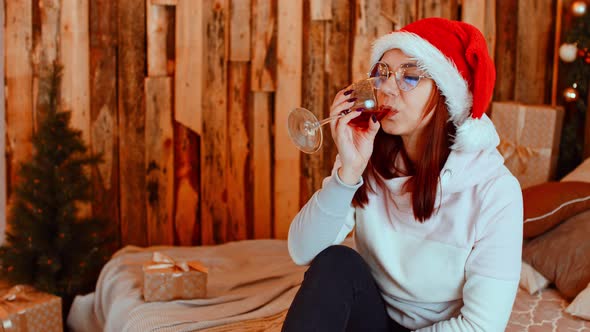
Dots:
(437, 216)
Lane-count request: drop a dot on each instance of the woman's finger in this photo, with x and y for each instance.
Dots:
(340, 100)
(374, 126)
(343, 121)
(340, 109)
(343, 107)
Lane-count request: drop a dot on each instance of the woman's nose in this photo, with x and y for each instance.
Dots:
(390, 87)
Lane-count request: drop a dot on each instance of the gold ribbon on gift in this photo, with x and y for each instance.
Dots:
(16, 293)
(514, 149)
(162, 261)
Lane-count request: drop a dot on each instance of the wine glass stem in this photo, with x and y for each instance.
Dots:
(329, 119)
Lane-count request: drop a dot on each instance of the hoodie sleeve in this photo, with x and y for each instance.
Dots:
(325, 220)
(492, 270)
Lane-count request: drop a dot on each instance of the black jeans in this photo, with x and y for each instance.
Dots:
(339, 293)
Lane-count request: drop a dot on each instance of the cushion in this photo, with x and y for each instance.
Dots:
(531, 280)
(580, 307)
(580, 173)
(548, 204)
(561, 255)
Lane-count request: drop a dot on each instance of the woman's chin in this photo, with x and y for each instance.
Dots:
(390, 127)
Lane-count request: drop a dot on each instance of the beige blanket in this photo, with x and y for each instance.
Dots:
(247, 280)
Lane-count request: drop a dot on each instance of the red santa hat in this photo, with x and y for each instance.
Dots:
(455, 55)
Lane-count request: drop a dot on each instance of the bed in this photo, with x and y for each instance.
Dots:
(251, 284)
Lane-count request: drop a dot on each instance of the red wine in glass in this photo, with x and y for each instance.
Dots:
(366, 101)
(362, 121)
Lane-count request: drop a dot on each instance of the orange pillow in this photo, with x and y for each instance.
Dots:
(548, 204)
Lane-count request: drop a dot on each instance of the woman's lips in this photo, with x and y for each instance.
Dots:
(391, 113)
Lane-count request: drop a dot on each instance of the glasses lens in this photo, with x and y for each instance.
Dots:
(408, 79)
(380, 70)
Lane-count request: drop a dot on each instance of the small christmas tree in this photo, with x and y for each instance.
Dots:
(575, 55)
(48, 245)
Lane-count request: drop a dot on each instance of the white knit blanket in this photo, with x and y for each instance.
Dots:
(247, 280)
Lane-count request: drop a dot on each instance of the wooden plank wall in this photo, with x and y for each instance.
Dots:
(2, 135)
(104, 109)
(188, 100)
(131, 72)
(18, 43)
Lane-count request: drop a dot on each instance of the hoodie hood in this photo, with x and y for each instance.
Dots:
(462, 171)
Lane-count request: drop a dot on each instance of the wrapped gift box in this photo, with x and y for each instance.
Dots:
(165, 279)
(24, 309)
(529, 139)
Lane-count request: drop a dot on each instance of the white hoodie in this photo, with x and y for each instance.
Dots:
(458, 271)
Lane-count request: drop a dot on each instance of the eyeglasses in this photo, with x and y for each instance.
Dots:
(407, 76)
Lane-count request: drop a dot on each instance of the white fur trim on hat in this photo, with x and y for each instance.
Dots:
(476, 134)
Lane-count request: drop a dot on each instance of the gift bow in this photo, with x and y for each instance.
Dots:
(162, 261)
(16, 293)
(510, 149)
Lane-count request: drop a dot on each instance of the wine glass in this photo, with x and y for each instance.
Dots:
(305, 130)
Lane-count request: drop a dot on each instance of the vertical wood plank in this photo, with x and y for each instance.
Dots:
(159, 132)
(338, 67)
(74, 53)
(19, 88)
(46, 27)
(239, 202)
(532, 61)
(157, 33)
(505, 53)
(36, 56)
(264, 41)
(240, 12)
(103, 110)
(473, 12)
(187, 213)
(164, 2)
(556, 45)
(2, 136)
(239, 197)
(159, 160)
(190, 65)
(321, 9)
(387, 19)
(288, 96)
(586, 152)
(482, 15)
(261, 165)
(214, 138)
(75, 84)
(438, 8)
(50, 17)
(490, 26)
(405, 12)
(131, 74)
(365, 32)
(314, 89)
(262, 80)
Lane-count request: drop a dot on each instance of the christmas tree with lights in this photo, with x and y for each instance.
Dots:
(48, 244)
(575, 55)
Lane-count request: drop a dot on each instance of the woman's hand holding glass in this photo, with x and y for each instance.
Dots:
(354, 146)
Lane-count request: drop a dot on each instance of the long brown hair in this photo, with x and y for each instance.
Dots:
(434, 146)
